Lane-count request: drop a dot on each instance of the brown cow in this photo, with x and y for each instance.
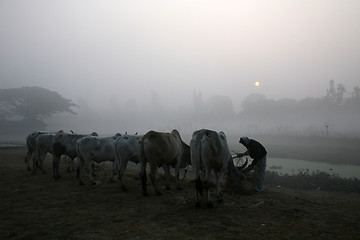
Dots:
(162, 150)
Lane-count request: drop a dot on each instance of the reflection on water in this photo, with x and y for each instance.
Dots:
(293, 166)
(6, 145)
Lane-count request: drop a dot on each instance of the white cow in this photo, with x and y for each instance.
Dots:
(31, 147)
(92, 148)
(126, 148)
(44, 144)
(41, 143)
(162, 150)
(210, 152)
(65, 144)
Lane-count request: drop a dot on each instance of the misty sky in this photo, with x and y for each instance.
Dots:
(101, 50)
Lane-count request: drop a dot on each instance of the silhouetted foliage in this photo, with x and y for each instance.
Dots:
(220, 106)
(309, 113)
(31, 104)
(305, 180)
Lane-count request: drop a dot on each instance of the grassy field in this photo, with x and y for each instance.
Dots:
(38, 207)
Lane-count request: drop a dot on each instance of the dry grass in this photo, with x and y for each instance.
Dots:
(305, 180)
(38, 207)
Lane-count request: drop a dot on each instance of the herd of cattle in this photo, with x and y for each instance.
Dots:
(208, 152)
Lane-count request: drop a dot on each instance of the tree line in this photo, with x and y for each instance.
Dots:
(30, 106)
(336, 108)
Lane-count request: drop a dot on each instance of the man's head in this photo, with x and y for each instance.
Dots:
(244, 141)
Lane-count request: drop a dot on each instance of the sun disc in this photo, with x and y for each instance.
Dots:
(257, 84)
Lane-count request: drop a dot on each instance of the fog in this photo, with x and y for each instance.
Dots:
(130, 62)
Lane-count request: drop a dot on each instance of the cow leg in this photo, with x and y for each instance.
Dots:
(27, 158)
(219, 178)
(54, 169)
(90, 166)
(153, 169)
(68, 169)
(185, 171)
(41, 164)
(167, 174)
(177, 174)
(195, 160)
(79, 170)
(121, 173)
(57, 166)
(93, 169)
(143, 178)
(37, 157)
(209, 203)
(73, 163)
(115, 162)
(199, 190)
(207, 186)
(56, 160)
(70, 166)
(177, 177)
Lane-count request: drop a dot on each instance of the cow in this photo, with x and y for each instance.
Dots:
(93, 148)
(126, 148)
(44, 144)
(65, 144)
(162, 149)
(31, 147)
(210, 152)
(39, 144)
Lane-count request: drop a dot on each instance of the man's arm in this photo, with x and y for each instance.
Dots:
(243, 154)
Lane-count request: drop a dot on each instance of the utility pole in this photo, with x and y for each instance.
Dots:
(327, 129)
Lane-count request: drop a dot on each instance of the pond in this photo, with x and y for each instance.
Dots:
(7, 145)
(293, 166)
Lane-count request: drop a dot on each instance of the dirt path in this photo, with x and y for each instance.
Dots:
(38, 207)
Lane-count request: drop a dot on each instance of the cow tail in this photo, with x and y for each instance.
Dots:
(217, 143)
(116, 154)
(80, 160)
(143, 161)
(28, 147)
(117, 158)
(199, 186)
(196, 161)
(142, 151)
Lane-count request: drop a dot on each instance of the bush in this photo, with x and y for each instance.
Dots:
(304, 180)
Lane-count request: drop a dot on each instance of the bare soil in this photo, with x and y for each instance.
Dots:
(39, 207)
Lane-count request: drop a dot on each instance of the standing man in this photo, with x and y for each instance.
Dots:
(257, 152)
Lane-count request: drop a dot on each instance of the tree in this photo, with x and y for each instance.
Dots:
(32, 104)
(331, 92)
(356, 93)
(340, 90)
(197, 100)
(257, 105)
(220, 107)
